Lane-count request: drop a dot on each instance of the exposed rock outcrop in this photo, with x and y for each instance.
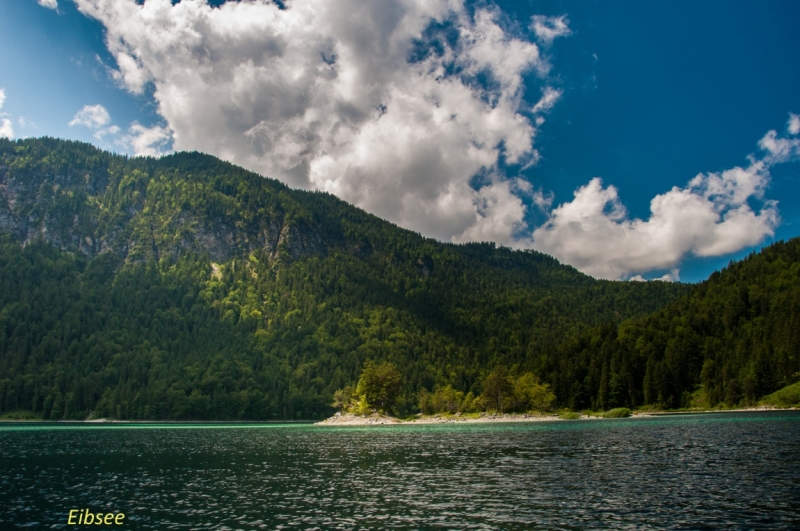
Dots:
(74, 214)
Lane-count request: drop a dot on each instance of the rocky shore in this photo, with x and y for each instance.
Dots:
(349, 419)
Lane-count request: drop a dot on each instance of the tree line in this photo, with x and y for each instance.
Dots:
(380, 384)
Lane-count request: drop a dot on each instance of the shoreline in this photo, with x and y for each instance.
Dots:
(702, 411)
(349, 419)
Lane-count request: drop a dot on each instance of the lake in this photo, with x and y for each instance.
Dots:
(711, 471)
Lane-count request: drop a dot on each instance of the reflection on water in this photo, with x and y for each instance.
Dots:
(733, 471)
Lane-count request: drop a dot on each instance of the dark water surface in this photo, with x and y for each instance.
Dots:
(721, 471)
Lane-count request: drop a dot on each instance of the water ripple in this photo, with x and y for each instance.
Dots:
(701, 472)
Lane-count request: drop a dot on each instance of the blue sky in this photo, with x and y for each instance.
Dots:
(503, 112)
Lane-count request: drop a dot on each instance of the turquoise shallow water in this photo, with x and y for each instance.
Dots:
(721, 471)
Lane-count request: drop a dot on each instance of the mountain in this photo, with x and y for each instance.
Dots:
(188, 288)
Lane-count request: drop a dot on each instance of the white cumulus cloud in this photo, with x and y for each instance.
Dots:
(145, 141)
(6, 127)
(343, 96)
(108, 131)
(499, 213)
(92, 116)
(794, 124)
(710, 216)
(50, 4)
(138, 140)
(547, 29)
(549, 98)
(779, 149)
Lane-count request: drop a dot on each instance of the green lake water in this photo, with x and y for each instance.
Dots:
(715, 471)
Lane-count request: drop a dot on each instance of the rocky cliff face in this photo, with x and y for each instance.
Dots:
(222, 239)
(109, 211)
(62, 214)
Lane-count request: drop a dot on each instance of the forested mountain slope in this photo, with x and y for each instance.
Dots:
(737, 335)
(185, 287)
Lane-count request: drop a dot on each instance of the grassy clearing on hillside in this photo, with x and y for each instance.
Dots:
(789, 396)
